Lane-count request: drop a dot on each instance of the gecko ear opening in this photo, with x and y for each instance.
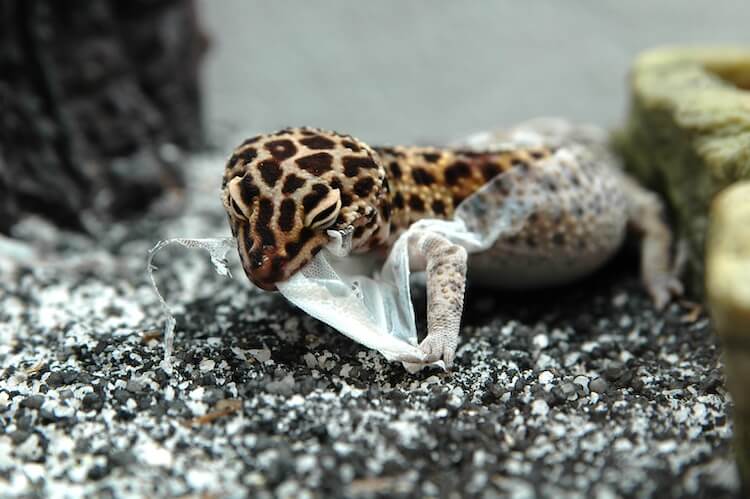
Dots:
(326, 212)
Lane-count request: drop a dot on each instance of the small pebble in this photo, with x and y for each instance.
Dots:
(91, 401)
(206, 365)
(598, 385)
(33, 402)
(539, 408)
(541, 341)
(55, 379)
(134, 386)
(546, 377)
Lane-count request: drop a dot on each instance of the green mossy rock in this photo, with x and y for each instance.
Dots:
(688, 132)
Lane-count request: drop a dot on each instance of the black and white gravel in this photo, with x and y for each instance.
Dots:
(582, 391)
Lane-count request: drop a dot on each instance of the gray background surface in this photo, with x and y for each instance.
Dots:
(404, 71)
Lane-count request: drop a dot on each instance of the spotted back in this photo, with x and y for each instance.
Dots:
(430, 182)
(284, 191)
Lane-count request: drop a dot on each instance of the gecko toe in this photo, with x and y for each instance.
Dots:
(438, 348)
(664, 289)
(448, 357)
(675, 286)
(432, 348)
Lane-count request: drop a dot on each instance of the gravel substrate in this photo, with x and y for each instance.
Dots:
(582, 391)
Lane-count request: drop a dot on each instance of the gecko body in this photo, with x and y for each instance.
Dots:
(284, 192)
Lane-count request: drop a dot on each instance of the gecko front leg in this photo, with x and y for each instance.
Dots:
(445, 266)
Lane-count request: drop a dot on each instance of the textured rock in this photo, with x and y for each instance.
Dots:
(97, 101)
(728, 290)
(688, 131)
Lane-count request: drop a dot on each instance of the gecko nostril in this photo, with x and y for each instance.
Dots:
(256, 259)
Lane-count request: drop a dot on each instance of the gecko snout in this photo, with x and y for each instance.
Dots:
(265, 267)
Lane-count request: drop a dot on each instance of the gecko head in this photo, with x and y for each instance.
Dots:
(283, 192)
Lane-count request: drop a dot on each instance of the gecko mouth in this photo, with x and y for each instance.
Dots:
(265, 268)
(266, 264)
(265, 286)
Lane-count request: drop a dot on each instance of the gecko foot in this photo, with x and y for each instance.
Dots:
(440, 346)
(662, 285)
(663, 288)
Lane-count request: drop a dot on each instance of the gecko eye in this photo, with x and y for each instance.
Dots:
(325, 213)
(236, 205)
(235, 208)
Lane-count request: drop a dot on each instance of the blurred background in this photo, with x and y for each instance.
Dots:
(397, 71)
(99, 100)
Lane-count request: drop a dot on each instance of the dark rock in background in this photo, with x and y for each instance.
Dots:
(97, 99)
